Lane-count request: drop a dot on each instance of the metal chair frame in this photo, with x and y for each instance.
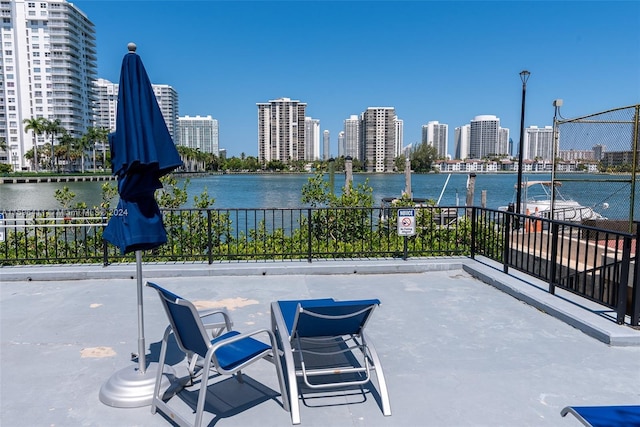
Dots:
(326, 324)
(226, 354)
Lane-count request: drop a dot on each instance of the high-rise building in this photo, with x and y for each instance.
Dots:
(379, 126)
(199, 133)
(352, 138)
(436, 134)
(168, 101)
(311, 139)
(48, 65)
(538, 143)
(341, 144)
(399, 137)
(281, 130)
(487, 138)
(462, 136)
(502, 148)
(326, 145)
(598, 151)
(106, 104)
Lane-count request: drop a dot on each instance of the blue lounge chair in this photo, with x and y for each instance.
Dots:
(227, 353)
(605, 416)
(323, 343)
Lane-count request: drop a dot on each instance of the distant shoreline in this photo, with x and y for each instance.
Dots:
(54, 178)
(32, 179)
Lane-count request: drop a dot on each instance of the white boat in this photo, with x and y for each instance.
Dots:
(536, 200)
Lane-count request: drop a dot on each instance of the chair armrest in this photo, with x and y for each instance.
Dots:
(244, 335)
(209, 322)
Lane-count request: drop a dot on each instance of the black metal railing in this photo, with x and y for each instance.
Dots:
(593, 262)
(210, 235)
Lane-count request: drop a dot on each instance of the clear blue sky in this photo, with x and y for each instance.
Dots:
(432, 60)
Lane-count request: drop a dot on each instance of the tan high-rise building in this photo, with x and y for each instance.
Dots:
(379, 130)
(281, 130)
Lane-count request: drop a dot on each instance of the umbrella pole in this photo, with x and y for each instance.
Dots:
(133, 386)
(142, 349)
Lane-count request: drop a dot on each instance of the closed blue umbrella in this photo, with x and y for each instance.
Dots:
(142, 151)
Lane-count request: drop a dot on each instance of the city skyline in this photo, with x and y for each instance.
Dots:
(431, 61)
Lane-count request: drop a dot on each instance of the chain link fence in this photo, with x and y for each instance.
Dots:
(605, 144)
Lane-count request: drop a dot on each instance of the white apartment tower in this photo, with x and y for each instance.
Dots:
(436, 134)
(462, 136)
(104, 109)
(311, 139)
(352, 138)
(167, 98)
(538, 143)
(379, 126)
(199, 133)
(487, 138)
(341, 144)
(48, 64)
(502, 148)
(281, 130)
(326, 145)
(106, 104)
(399, 136)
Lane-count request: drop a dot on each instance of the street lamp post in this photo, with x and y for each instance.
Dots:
(524, 76)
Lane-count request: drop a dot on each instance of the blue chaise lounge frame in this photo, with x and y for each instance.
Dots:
(326, 325)
(605, 416)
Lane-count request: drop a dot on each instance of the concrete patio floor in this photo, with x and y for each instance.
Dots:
(456, 350)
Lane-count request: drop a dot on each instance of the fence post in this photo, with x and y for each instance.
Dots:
(507, 243)
(621, 307)
(554, 257)
(105, 255)
(209, 243)
(309, 228)
(405, 249)
(635, 296)
(474, 230)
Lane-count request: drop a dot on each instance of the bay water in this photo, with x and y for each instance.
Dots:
(285, 190)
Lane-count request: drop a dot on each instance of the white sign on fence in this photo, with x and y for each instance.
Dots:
(406, 222)
(1, 227)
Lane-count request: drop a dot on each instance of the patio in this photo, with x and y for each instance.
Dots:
(456, 350)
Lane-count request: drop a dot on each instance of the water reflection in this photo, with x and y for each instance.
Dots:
(285, 191)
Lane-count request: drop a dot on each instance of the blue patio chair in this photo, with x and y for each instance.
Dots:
(227, 353)
(324, 344)
(605, 416)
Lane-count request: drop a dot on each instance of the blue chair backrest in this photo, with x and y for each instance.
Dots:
(289, 309)
(184, 320)
(335, 318)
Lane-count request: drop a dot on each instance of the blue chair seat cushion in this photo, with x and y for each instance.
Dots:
(236, 353)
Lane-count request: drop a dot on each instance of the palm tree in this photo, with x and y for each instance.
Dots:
(53, 128)
(67, 141)
(36, 125)
(96, 136)
(81, 145)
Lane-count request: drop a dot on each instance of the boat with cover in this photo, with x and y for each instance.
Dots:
(536, 198)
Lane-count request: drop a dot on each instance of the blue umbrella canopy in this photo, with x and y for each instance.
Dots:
(142, 151)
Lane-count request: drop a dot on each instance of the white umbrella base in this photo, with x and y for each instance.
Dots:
(130, 388)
